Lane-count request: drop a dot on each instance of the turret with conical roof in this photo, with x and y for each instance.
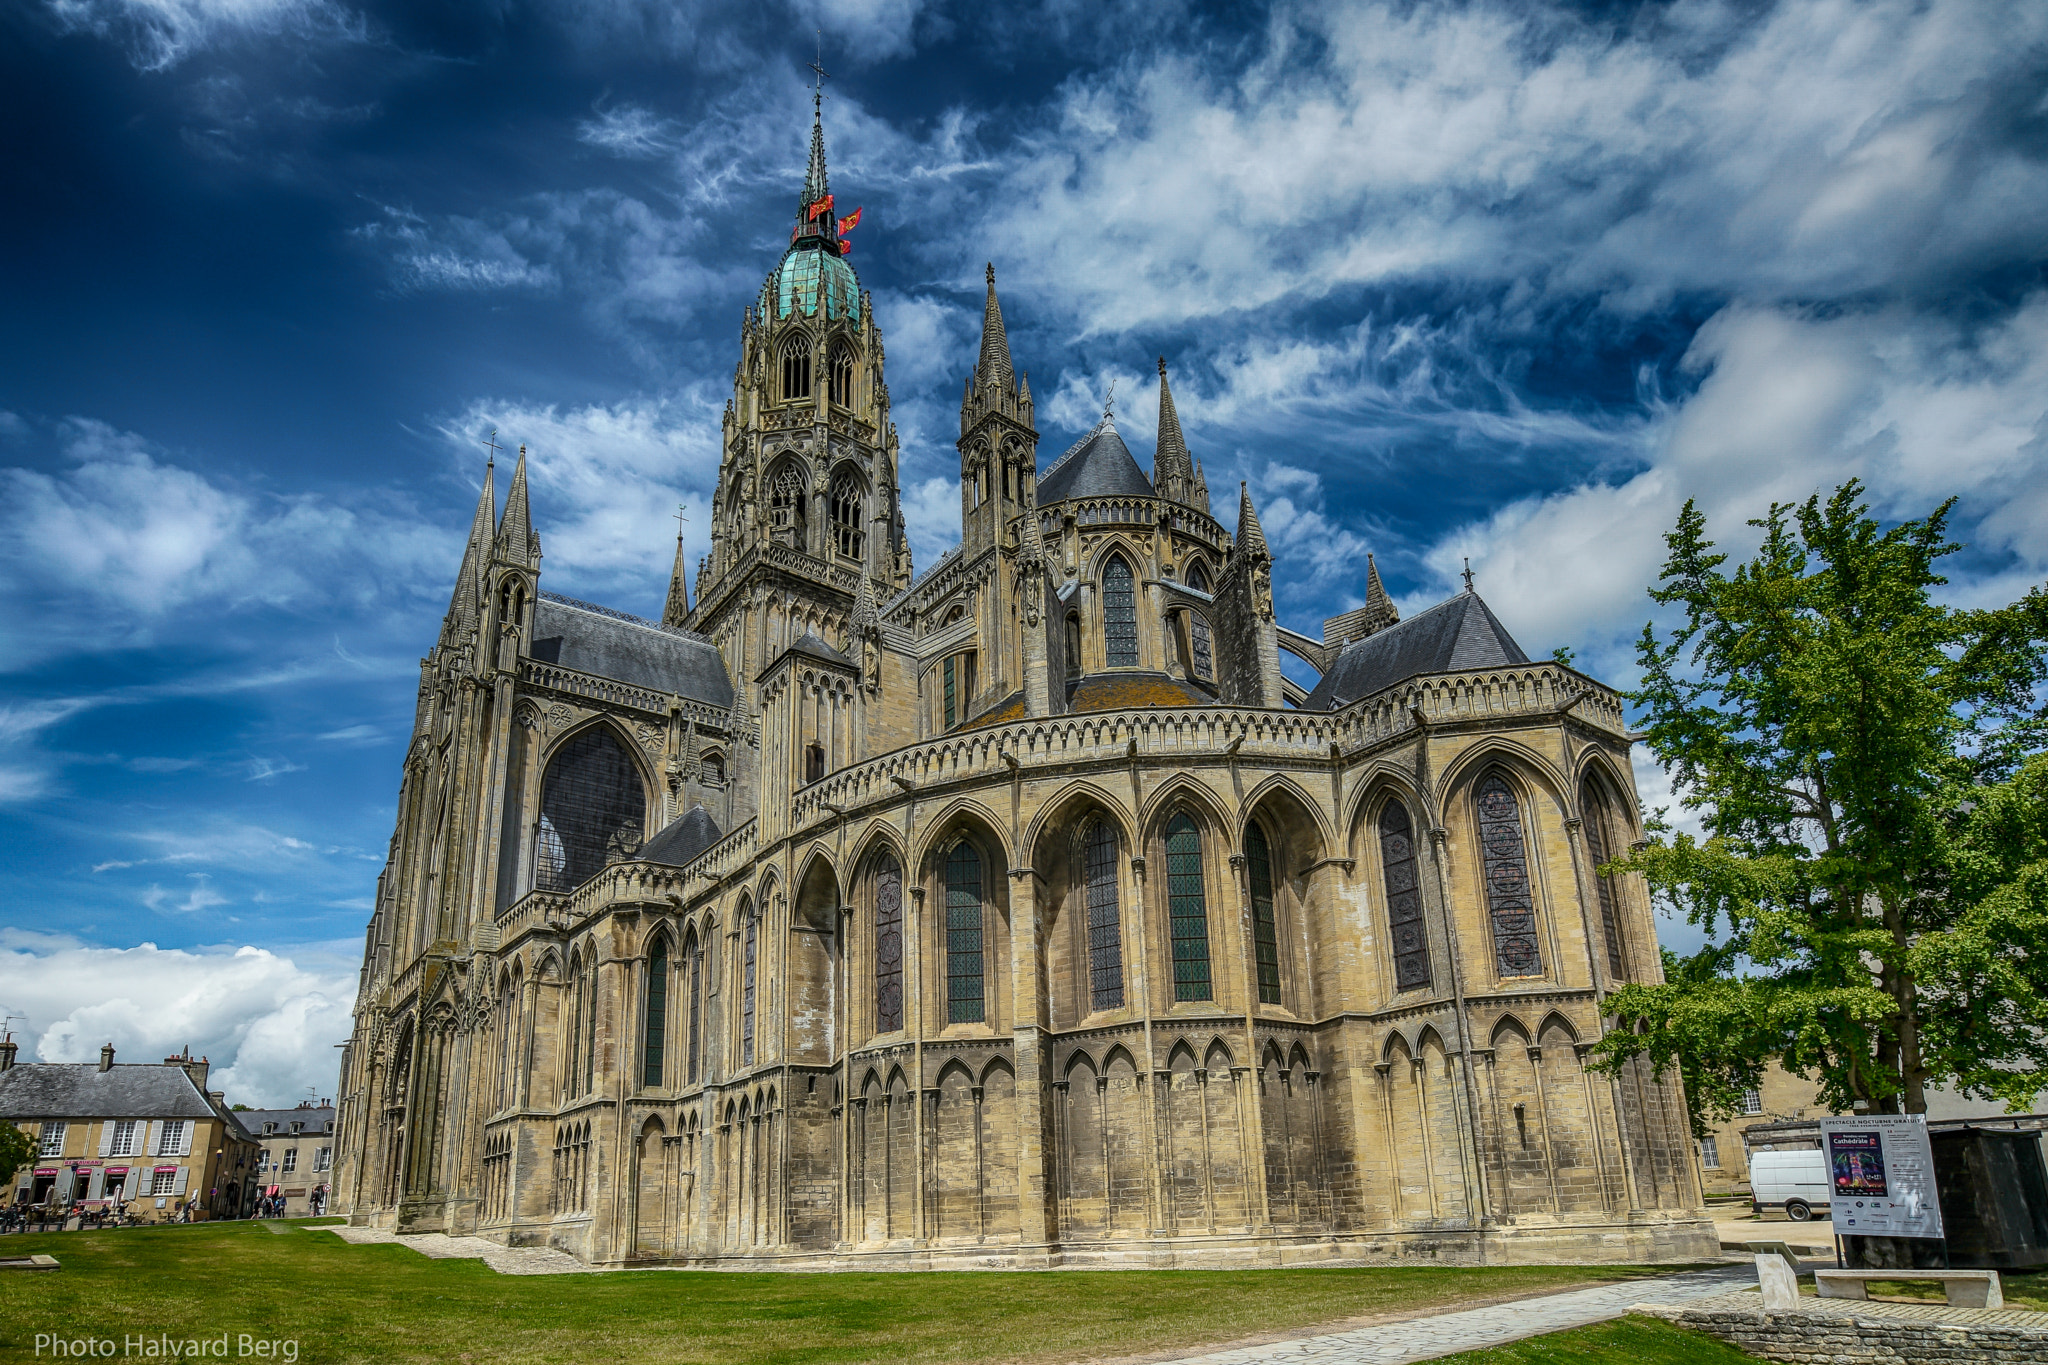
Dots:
(998, 444)
(1173, 468)
(466, 603)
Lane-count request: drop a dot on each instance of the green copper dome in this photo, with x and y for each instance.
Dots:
(810, 278)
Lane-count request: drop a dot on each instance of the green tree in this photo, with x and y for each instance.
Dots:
(1867, 766)
(15, 1150)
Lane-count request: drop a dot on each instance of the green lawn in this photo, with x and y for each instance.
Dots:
(1625, 1341)
(387, 1303)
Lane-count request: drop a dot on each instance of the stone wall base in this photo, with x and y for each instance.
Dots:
(1841, 1332)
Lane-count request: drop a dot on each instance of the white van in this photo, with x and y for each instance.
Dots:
(1796, 1182)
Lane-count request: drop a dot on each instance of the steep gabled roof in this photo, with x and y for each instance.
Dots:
(1096, 466)
(682, 838)
(1458, 634)
(80, 1090)
(629, 650)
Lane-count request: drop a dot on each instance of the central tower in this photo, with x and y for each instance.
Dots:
(807, 504)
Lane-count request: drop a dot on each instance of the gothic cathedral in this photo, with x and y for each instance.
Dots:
(1018, 913)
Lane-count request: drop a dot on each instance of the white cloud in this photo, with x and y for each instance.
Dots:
(200, 896)
(628, 130)
(160, 33)
(267, 1024)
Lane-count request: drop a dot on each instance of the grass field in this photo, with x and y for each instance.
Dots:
(344, 1303)
(1625, 1341)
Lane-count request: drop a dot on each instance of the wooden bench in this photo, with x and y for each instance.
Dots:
(1963, 1288)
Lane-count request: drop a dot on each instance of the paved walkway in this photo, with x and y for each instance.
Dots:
(1394, 1343)
(441, 1247)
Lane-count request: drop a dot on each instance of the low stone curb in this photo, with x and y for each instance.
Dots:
(1844, 1331)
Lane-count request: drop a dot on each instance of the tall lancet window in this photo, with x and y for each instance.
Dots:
(888, 944)
(747, 994)
(653, 1044)
(1258, 857)
(1504, 866)
(1404, 898)
(1105, 920)
(693, 954)
(786, 503)
(848, 534)
(796, 368)
(1204, 648)
(1187, 908)
(966, 1001)
(841, 389)
(1594, 808)
(1119, 614)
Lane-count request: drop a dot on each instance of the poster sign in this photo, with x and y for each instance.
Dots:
(1881, 1167)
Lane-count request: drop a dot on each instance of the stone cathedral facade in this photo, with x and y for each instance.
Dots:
(1020, 912)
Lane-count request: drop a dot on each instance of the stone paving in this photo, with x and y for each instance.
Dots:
(503, 1259)
(1943, 1314)
(1394, 1343)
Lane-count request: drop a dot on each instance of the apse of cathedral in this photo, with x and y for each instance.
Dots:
(1018, 912)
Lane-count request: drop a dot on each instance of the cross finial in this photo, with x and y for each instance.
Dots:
(681, 520)
(1468, 573)
(1109, 399)
(818, 65)
(491, 444)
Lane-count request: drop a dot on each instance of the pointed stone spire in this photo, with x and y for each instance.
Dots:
(464, 602)
(994, 366)
(1250, 539)
(677, 609)
(1379, 608)
(1173, 469)
(816, 187)
(517, 540)
(866, 615)
(1201, 489)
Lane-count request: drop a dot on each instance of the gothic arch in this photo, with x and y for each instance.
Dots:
(954, 1066)
(1079, 1060)
(1509, 1026)
(962, 816)
(1184, 791)
(998, 1065)
(1621, 791)
(1114, 542)
(1381, 780)
(1397, 1042)
(1557, 1021)
(819, 877)
(1298, 818)
(877, 835)
(1535, 773)
(1060, 814)
(1109, 1059)
(1181, 1048)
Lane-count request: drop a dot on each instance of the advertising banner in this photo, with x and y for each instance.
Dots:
(1881, 1167)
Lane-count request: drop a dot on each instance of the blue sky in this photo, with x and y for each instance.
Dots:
(1506, 281)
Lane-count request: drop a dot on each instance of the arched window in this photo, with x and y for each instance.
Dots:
(693, 954)
(1073, 644)
(1593, 805)
(1198, 577)
(592, 806)
(814, 763)
(1404, 898)
(1265, 929)
(796, 368)
(1009, 476)
(1205, 651)
(848, 534)
(888, 944)
(572, 1065)
(657, 1014)
(1187, 908)
(841, 389)
(590, 1026)
(747, 993)
(965, 996)
(1504, 866)
(786, 504)
(1119, 614)
(1105, 919)
(711, 770)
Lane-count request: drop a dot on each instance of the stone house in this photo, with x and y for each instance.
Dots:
(1022, 912)
(297, 1161)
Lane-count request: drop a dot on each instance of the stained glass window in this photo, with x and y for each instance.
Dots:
(888, 944)
(657, 1014)
(1265, 930)
(1105, 925)
(1504, 861)
(1205, 661)
(1119, 615)
(1188, 909)
(796, 368)
(747, 996)
(964, 992)
(952, 695)
(592, 806)
(1593, 805)
(1404, 898)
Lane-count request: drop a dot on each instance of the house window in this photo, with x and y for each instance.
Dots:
(889, 944)
(1710, 1153)
(592, 809)
(848, 533)
(1105, 921)
(1265, 930)
(1205, 653)
(53, 1140)
(1593, 806)
(965, 1002)
(1752, 1102)
(291, 1160)
(160, 1182)
(1119, 614)
(323, 1159)
(172, 1142)
(657, 1014)
(814, 762)
(123, 1143)
(1505, 871)
(796, 368)
(269, 1128)
(747, 996)
(1404, 898)
(1188, 909)
(842, 377)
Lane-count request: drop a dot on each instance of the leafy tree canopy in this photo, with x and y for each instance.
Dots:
(1867, 764)
(15, 1151)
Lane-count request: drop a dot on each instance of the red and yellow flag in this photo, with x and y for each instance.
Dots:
(821, 206)
(850, 221)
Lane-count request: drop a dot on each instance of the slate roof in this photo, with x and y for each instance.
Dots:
(682, 838)
(1458, 634)
(1099, 465)
(629, 650)
(1121, 689)
(318, 1121)
(80, 1090)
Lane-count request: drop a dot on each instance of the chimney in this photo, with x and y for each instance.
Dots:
(107, 1057)
(197, 1071)
(7, 1049)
